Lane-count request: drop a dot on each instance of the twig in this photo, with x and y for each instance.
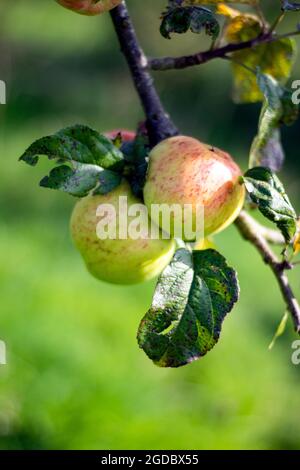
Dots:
(277, 21)
(169, 63)
(271, 236)
(159, 123)
(249, 232)
(260, 14)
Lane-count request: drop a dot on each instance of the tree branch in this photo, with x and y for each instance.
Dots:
(169, 63)
(159, 124)
(249, 232)
(271, 236)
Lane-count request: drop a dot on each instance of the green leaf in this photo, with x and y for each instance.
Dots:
(81, 180)
(90, 161)
(76, 144)
(192, 297)
(278, 109)
(267, 191)
(77, 182)
(275, 59)
(182, 19)
(287, 5)
(280, 330)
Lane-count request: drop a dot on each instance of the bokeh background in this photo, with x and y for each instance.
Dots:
(75, 377)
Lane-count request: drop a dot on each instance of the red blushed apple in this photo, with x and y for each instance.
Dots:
(127, 136)
(183, 171)
(89, 7)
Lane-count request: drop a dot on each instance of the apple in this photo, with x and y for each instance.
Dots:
(183, 171)
(118, 261)
(127, 136)
(204, 244)
(89, 7)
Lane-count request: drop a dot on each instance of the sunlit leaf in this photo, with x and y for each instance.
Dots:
(280, 330)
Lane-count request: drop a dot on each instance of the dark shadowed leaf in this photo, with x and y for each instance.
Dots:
(108, 180)
(278, 109)
(182, 19)
(287, 5)
(192, 297)
(135, 154)
(267, 191)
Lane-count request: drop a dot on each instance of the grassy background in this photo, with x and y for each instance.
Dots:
(75, 377)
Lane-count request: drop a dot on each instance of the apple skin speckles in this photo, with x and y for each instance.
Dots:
(183, 170)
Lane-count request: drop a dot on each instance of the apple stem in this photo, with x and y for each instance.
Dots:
(159, 124)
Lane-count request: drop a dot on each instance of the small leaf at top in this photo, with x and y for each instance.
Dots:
(192, 297)
(184, 18)
(267, 191)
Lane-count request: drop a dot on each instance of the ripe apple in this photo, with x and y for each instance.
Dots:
(127, 136)
(183, 171)
(89, 7)
(118, 261)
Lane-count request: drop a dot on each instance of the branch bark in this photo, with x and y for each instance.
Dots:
(170, 63)
(249, 232)
(159, 124)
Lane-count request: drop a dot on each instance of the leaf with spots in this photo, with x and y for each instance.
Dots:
(76, 144)
(266, 190)
(86, 161)
(192, 298)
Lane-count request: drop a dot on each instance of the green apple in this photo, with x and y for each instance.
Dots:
(118, 261)
(184, 171)
(89, 7)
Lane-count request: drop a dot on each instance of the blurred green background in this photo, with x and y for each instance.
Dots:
(75, 378)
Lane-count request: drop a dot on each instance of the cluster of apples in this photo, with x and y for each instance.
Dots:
(181, 171)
